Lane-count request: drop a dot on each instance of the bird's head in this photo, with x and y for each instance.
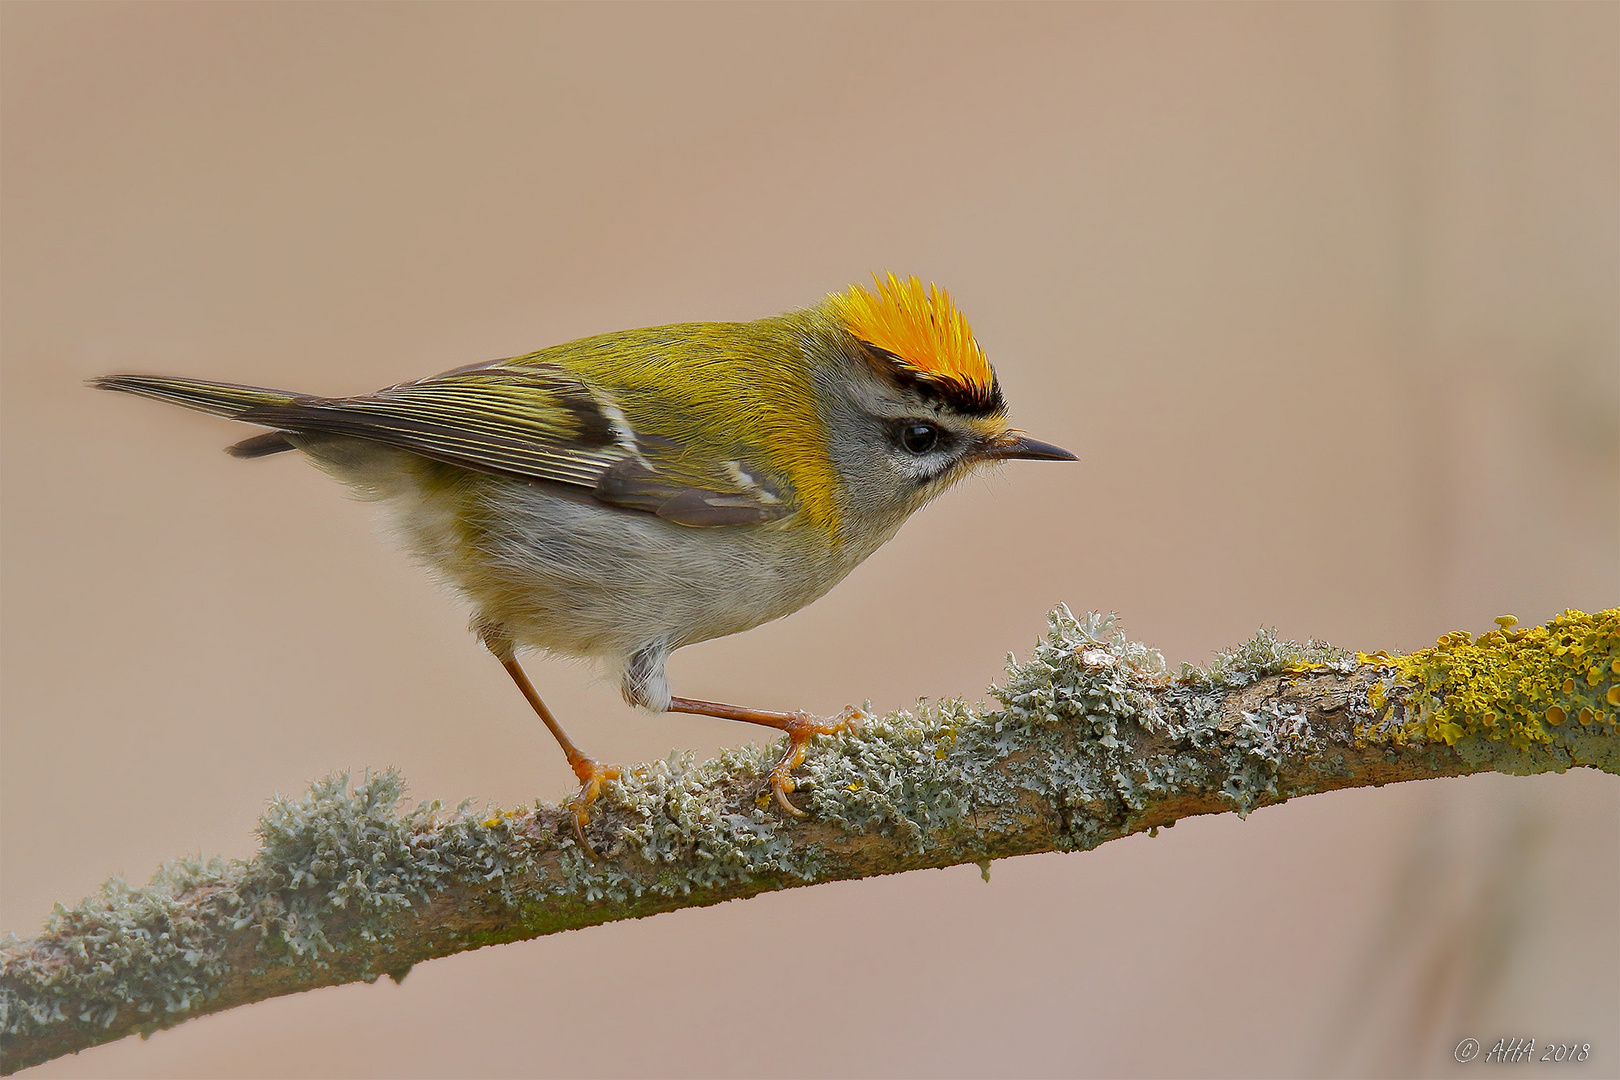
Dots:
(914, 405)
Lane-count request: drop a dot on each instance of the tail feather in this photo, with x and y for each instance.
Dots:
(221, 399)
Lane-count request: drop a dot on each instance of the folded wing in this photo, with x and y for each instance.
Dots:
(529, 420)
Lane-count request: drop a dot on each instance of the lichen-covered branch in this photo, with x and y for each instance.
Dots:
(1093, 740)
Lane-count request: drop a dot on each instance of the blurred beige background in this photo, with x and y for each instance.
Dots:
(1324, 296)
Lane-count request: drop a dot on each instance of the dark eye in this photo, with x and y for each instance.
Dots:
(919, 438)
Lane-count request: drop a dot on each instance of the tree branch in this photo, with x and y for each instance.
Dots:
(1093, 740)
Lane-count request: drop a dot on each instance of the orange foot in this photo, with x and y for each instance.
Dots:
(592, 775)
(801, 728)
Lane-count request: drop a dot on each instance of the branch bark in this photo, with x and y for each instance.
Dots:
(1093, 740)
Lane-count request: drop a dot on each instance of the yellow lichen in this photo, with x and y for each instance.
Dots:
(1513, 684)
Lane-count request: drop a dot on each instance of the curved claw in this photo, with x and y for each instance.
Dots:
(592, 776)
(781, 790)
(800, 730)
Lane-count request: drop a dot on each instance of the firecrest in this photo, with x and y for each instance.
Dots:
(621, 496)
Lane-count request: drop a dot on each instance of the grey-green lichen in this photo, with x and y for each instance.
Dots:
(685, 832)
(1093, 739)
(1108, 733)
(1267, 654)
(142, 948)
(341, 850)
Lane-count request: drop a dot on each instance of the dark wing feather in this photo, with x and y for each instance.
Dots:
(535, 421)
(633, 486)
(271, 442)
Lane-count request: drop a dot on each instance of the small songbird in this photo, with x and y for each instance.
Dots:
(620, 496)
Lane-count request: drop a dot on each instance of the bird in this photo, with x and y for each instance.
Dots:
(623, 495)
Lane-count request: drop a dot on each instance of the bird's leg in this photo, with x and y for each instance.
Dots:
(800, 727)
(592, 774)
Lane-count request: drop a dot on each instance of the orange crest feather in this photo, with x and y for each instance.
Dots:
(919, 326)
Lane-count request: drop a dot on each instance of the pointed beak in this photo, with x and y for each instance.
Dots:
(1017, 445)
